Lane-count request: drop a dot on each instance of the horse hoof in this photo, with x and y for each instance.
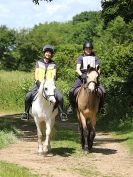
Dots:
(40, 152)
(86, 152)
(47, 149)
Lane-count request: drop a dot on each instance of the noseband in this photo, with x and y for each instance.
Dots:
(96, 84)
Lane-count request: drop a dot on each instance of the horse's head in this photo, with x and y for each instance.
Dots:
(92, 78)
(48, 90)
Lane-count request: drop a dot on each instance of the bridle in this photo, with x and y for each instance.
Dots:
(44, 93)
(86, 85)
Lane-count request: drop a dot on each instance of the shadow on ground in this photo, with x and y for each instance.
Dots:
(27, 127)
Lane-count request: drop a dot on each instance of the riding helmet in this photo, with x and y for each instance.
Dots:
(48, 48)
(87, 44)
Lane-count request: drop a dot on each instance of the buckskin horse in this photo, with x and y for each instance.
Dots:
(87, 105)
(44, 113)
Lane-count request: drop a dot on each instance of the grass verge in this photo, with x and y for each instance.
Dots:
(119, 129)
(12, 170)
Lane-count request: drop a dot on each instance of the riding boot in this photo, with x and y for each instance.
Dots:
(60, 103)
(63, 116)
(71, 107)
(25, 115)
(102, 95)
(101, 108)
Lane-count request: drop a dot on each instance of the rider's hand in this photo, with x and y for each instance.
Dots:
(37, 83)
(83, 76)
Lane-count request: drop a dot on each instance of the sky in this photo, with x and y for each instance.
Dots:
(20, 14)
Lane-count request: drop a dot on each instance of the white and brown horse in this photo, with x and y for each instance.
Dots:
(88, 101)
(44, 113)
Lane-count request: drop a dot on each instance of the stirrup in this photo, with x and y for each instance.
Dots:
(25, 116)
(63, 117)
(70, 110)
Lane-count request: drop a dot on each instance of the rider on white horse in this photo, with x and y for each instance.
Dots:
(45, 68)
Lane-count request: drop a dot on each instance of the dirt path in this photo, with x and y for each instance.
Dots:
(108, 158)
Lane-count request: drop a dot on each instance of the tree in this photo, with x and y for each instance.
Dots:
(92, 16)
(84, 26)
(113, 8)
(37, 1)
(7, 44)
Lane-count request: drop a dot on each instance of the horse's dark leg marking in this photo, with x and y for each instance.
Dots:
(82, 136)
(85, 133)
(91, 137)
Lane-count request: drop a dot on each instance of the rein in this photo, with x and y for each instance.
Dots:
(85, 86)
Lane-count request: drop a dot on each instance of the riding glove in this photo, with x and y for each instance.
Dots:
(38, 83)
(83, 76)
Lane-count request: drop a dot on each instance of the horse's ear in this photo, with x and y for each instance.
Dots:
(88, 68)
(98, 68)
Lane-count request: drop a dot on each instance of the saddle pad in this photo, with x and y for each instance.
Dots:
(35, 97)
(77, 90)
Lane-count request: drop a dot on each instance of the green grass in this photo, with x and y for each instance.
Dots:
(8, 133)
(66, 142)
(120, 129)
(12, 170)
(7, 138)
(126, 136)
(15, 75)
(89, 172)
(13, 87)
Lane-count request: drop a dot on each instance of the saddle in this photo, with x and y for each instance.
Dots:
(78, 89)
(76, 93)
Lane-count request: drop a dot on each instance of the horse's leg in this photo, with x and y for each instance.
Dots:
(85, 131)
(48, 132)
(81, 131)
(40, 136)
(91, 131)
(43, 128)
(82, 137)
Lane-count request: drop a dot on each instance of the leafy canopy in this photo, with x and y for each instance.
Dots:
(113, 8)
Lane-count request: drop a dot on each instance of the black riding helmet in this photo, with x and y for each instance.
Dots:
(87, 44)
(48, 48)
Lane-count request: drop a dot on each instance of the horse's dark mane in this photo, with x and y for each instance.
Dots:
(91, 69)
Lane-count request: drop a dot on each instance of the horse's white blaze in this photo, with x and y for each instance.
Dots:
(91, 86)
(42, 111)
(92, 78)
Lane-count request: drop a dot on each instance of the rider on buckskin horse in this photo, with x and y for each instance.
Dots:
(45, 68)
(88, 57)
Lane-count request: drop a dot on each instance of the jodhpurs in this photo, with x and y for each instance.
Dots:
(59, 99)
(77, 83)
(29, 98)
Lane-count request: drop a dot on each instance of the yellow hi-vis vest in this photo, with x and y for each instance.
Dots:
(50, 74)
